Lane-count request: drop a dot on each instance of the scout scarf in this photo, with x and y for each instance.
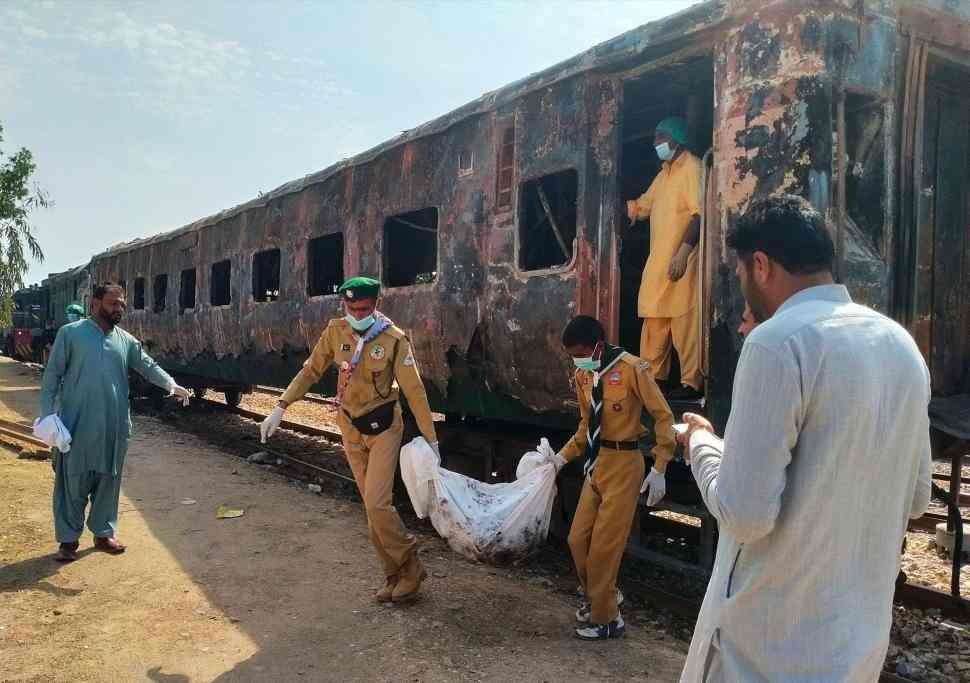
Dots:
(611, 354)
(381, 323)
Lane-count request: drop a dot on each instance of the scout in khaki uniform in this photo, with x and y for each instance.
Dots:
(668, 288)
(375, 363)
(613, 388)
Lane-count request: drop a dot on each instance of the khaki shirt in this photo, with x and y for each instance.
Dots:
(628, 388)
(374, 380)
(671, 201)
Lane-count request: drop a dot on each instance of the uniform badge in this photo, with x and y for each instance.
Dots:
(643, 365)
(377, 352)
(615, 378)
(617, 407)
(409, 359)
(349, 293)
(345, 347)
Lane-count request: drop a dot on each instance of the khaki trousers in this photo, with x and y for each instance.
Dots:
(373, 460)
(656, 336)
(601, 527)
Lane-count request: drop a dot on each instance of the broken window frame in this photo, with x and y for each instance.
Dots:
(505, 161)
(138, 294)
(257, 276)
(214, 277)
(386, 252)
(183, 290)
(521, 195)
(159, 303)
(311, 268)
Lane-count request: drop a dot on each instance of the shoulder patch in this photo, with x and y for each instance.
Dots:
(643, 366)
(408, 359)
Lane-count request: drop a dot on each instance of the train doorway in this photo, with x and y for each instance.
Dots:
(685, 89)
(942, 318)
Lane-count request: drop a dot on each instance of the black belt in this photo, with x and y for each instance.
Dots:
(620, 445)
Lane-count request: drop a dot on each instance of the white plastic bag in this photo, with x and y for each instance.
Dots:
(487, 522)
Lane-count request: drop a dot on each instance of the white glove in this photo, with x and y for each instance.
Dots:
(556, 460)
(436, 449)
(180, 393)
(657, 485)
(270, 424)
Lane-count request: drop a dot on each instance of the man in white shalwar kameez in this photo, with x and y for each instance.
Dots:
(825, 458)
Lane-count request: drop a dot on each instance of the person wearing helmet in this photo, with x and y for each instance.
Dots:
(74, 313)
(668, 288)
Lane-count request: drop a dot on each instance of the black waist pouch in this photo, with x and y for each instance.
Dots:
(375, 421)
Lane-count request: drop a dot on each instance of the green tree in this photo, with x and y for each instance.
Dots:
(17, 199)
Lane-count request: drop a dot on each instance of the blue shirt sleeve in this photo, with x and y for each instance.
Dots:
(54, 372)
(145, 365)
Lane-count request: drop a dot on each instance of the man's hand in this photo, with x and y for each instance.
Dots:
(270, 424)
(694, 423)
(181, 393)
(656, 484)
(678, 264)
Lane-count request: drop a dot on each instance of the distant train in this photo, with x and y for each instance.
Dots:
(492, 225)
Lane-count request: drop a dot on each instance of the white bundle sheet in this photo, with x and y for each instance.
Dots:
(486, 522)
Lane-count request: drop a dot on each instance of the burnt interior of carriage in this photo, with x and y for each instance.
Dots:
(266, 275)
(220, 283)
(410, 248)
(686, 90)
(325, 264)
(138, 296)
(547, 220)
(187, 290)
(159, 292)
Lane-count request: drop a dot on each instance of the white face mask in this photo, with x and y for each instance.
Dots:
(664, 151)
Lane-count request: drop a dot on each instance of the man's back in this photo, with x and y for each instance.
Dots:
(813, 543)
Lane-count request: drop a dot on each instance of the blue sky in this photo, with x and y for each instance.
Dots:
(146, 116)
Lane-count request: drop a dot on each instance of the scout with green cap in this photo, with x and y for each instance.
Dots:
(668, 288)
(375, 364)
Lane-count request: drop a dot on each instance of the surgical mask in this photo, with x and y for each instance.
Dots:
(362, 324)
(588, 363)
(664, 151)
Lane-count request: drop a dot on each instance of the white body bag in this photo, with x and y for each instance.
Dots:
(486, 522)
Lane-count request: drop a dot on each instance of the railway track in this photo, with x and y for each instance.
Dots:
(21, 432)
(911, 595)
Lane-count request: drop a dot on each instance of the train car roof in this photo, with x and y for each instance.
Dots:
(650, 40)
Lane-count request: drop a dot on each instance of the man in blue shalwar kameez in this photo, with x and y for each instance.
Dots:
(86, 384)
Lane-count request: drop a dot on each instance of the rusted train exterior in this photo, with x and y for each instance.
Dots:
(492, 225)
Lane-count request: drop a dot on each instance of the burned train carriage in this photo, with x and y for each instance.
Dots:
(491, 226)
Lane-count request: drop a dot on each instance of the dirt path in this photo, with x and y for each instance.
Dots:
(282, 593)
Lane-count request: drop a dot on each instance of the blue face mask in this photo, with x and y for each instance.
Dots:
(589, 363)
(362, 324)
(664, 151)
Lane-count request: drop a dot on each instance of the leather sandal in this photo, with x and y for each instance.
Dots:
(108, 545)
(67, 552)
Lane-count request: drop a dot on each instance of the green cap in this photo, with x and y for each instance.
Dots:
(74, 308)
(675, 127)
(360, 288)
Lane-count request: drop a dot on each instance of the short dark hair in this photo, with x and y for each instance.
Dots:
(102, 289)
(789, 230)
(583, 330)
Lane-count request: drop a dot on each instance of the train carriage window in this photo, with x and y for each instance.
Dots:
(266, 275)
(187, 290)
(325, 264)
(547, 220)
(506, 168)
(159, 292)
(139, 296)
(411, 248)
(219, 290)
